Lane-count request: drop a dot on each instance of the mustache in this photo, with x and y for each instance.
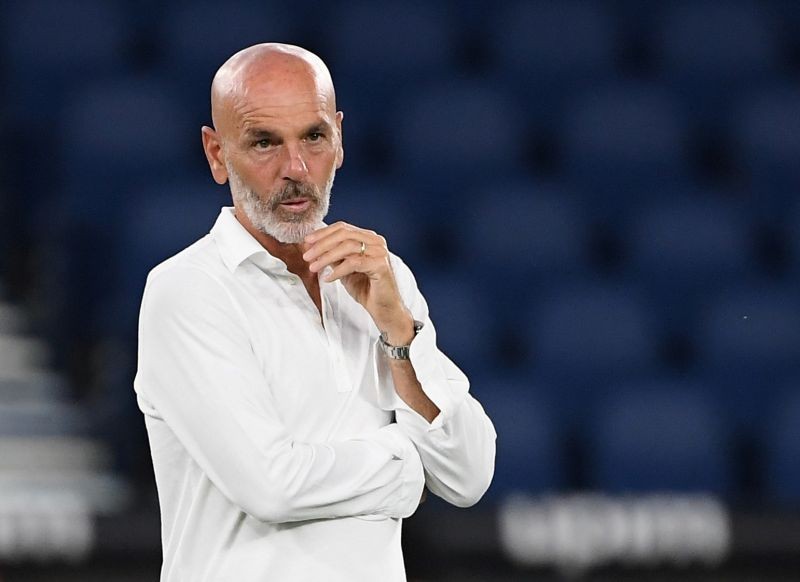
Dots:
(294, 190)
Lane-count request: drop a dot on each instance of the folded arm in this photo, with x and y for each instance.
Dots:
(457, 445)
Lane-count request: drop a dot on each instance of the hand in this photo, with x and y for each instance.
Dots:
(367, 275)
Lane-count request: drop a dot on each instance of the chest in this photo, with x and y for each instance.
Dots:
(317, 362)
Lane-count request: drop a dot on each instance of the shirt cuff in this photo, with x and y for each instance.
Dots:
(440, 378)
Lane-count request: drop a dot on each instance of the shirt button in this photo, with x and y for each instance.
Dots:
(293, 280)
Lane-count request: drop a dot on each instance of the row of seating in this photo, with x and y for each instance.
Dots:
(621, 134)
(692, 40)
(653, 435)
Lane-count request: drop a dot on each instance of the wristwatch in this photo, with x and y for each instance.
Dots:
(397, 352)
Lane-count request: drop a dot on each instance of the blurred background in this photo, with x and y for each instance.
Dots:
(598, 198)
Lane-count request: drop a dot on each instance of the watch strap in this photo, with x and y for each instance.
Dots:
(398, 352)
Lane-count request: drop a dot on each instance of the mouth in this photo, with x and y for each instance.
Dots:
(296, 204)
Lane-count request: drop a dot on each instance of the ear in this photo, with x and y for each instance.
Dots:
(212, 146)
(340, 151)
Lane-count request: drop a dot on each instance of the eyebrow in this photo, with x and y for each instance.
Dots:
(256, 133)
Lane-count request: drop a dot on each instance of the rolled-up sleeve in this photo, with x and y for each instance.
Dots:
(458, 447)
(198, 373)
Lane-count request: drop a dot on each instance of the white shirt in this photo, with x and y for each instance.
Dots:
(272, 435)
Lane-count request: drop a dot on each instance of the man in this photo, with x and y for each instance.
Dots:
(295, 400)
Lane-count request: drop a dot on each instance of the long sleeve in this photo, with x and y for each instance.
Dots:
(458, 447)
(198, 372)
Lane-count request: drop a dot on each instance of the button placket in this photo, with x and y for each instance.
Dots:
(330, 296)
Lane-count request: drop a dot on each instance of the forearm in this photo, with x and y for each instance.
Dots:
(404, 378)
(410, 390)
(254, 463)
(452, 433)
(378, 474)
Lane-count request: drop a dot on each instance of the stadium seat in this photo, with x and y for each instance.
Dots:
(791, 229)
(454, 133)
(766, 135)
(197, 36)
(118, 132)
(623, 140)
(529, 445)
(52, 45)
(781, 441)
(378, 49)
(523, 234)
(659, 437)
(550, 49)
(712, 48)
(685, 246)
(586, 336)
(747, 339)
(593, 326)
(464, 326)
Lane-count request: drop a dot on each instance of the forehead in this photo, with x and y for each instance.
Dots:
(281, 99)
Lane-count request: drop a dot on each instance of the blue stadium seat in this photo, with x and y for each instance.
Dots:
(523, 234)
(748, 338)
(766, 134)
(593, 327)
(115, 133)
(464, 325)
(625, 139)
(551, 49)
(197, 36)
(455, 133)
(656, 438)
(713, 48)
(781, 442)
(51, 45)
(377, 49)
(587, 336)
(685, 246)
(792, 234)
(529, 445)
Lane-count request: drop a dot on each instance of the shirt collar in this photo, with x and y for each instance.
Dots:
(236, 245)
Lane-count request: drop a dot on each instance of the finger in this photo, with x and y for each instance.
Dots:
(341, 251)
(326, 231)
(323, 245)
(350, 265)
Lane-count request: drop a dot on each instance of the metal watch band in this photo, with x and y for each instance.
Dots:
(398, 352)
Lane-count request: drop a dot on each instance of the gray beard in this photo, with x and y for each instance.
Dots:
(269, 218)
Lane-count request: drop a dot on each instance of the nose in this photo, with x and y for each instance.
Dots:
(294, 166)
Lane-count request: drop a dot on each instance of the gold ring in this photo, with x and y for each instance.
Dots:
(363, 248)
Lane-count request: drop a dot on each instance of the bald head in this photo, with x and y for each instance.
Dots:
(267, 67)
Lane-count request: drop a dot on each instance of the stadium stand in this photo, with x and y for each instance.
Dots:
(599, 200)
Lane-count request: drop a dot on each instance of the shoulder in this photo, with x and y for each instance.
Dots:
(194, 275)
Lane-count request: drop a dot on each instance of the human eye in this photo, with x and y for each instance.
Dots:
(263, 143)
(315, 136)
